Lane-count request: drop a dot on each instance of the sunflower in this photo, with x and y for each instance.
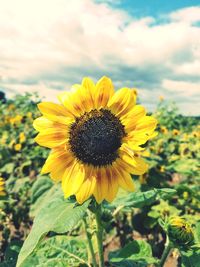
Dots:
(17, 147)
(163, 130)
(175, 132)
(180, 232)
(94, 134)
(2, 187)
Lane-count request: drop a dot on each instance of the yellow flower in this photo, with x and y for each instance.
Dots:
(162, 168)
(16, 120)
(176, 132)
(164, 130)
(94, 135)
(161, 98)
(29, 115)
(196, 133)
(22, 137)
(2, 187)
(17, 147)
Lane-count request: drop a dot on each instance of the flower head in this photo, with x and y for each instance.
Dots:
(2, 187)
(94, 134)
(17, 147)
(180, 232)
(176, 132)
(22, 137)
(164, 130)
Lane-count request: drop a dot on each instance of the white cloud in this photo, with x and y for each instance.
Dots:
(44, 91)
(44, 41)
(188, 15)
(186, 89)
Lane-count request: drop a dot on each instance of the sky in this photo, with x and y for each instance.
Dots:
(154, 45)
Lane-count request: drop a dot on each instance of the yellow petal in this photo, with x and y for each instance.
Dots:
(141, 167)
(57, 162)
(48, 108)
(122, 101)
(130, 160)
(52, 137)
(86, 189)
(136, 113)
(113, 186)
(104, 91)
(146, 124)
(72, 179)
(42, 124)
(127, 155)
(134, 139)
(101, 187)
(59, 168)
(124, 166)
(124, 179)
(71, 102)
(132, 163)
(79, 101)
(89, 91)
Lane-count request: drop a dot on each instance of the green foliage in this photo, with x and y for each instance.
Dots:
(136, 253)
(58, 215)
(42, 191)
(141, 199)
(59, 251)
(190, 258)
(173, 157)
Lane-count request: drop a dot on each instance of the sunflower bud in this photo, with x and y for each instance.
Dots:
(180, 232)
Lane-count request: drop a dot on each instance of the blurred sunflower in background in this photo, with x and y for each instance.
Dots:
(95, 134)
(2, 187)
(175, 132)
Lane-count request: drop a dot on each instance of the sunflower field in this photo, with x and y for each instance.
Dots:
(136, 205)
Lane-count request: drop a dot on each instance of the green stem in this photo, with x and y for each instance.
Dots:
(99, 233)
(166, 253)
(91, 249)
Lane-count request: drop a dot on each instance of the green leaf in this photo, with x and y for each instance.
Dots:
(136, 252)
(128, 263)
(140, 199)
(41, 197)
(42, 184)
(59, 215)
(8, 168)
(190, 258)
(186, 166)
(18, 184)
(197, 232)
(59, 251)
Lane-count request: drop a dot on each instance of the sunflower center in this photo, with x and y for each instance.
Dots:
(96, 136)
